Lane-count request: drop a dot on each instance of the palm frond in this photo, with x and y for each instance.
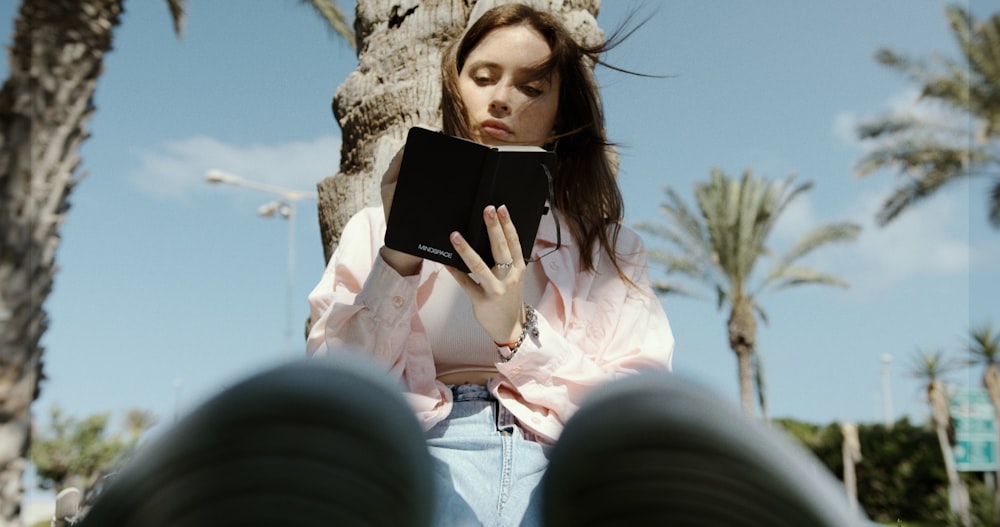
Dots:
(931, 365)
(683, 242)
(887, 125)
(929, 165)
(760, 380)
(330, 11)
(692, 255)
(177, 13)
(821, 236)
(984, 344)
(914, 190)
(787, 192)
(918, 155)
(995, 205)
(679, 263)
(720, 297)
(761, 313)
(795, 276)
(925, 150)
(668, 288)
(689, 224)
(917, 70)
(737, 220)
(980, 45)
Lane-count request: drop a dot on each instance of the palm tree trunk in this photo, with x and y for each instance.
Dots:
(398, 85)
(991, 381)
(851, 454)
(742, 328)
(941, 418)
(55, 61)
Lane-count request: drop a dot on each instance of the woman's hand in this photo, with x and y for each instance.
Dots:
(497, 293)
(404, 264)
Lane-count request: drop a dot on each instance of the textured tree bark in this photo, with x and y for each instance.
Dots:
(55, 61)
(958, 494)
(742, 328)
(398, 85)
(991, 381)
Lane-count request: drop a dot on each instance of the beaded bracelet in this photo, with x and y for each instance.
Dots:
(530, 326)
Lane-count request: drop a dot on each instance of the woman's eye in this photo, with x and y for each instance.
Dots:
(531, 91)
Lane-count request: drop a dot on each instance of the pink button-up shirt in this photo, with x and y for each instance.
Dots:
(593, 326)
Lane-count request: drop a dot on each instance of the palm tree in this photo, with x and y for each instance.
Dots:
(721, 247)
(930, 153)
(984, 348)
(930, 366)
(56, 59)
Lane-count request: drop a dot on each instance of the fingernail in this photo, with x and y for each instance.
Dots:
(456, 238)
(502, 210)
(491, 212)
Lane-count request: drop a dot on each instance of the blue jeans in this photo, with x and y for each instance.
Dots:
(487, 470)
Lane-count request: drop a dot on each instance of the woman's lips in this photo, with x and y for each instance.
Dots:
(495, 129)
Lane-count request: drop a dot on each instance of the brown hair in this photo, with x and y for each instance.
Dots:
(586, 190)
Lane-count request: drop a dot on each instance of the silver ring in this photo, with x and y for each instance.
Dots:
(505, 265)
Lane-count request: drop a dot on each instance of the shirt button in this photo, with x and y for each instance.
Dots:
(397, 301)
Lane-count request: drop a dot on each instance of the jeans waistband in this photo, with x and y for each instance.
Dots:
(504, 419)
(471, 392)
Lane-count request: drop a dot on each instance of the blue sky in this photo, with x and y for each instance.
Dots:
(171, 289)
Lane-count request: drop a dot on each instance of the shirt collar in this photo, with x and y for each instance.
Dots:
(547, 230)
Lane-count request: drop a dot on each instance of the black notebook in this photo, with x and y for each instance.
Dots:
(445, 183)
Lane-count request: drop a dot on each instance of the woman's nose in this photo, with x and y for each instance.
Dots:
(500, 101)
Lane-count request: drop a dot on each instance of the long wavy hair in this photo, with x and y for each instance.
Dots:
(585, 184)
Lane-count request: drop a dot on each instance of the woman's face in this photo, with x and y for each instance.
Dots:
(505, 105)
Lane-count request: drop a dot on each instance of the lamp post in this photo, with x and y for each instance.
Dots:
(284, 206)
(886, 390)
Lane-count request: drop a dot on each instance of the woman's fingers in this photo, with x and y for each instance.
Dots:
(499, 240)
(497, 295)
(513, 245)
(476, 265)
(504, 244)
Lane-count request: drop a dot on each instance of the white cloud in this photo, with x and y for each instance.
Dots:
(922, 240)
(176, 169)
(930, 239)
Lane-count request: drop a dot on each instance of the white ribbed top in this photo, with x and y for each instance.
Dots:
(457, 340)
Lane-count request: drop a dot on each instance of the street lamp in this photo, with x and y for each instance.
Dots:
(284, 207)
(886, 390)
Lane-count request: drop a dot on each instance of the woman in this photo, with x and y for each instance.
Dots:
(493, 380)
(495, 362)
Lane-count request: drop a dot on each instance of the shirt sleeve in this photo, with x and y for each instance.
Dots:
(363, 304)
(612, 329)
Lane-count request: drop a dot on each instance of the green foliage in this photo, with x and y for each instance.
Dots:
(930, 152)
(984, 344)
(720, 245)
(900, 476)
(78, 452)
